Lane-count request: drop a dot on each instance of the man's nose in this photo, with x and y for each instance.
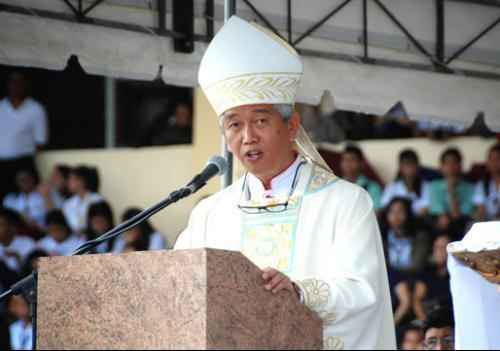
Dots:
(249, 135)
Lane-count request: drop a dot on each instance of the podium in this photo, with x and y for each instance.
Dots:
(187, 299)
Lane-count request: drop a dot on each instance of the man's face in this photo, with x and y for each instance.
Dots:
(25, 182)
(439, 339)
(493, 162)
(259, 137)
(75, 184)
(451, 166)
(17, 86)
(412, 340)
(182, 116)
(351, 165)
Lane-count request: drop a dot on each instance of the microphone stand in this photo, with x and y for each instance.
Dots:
(28, 285)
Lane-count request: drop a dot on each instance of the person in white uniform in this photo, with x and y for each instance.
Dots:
(313, 234)
(23, 122)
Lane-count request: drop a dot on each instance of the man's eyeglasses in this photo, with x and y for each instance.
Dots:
(447, 343)
(274, 208)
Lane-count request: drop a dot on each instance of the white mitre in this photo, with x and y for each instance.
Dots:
(476, 301)
(247, 64)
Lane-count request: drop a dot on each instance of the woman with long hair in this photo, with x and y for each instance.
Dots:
(408, 184)
(140, 238)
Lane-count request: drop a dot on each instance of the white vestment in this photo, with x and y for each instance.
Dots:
(327, 242)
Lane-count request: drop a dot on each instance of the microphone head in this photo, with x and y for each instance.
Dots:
(219, 162)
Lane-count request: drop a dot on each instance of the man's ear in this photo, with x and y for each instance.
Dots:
(294, 125)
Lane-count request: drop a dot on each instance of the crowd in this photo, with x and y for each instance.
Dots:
(419, 213)
(53, 218)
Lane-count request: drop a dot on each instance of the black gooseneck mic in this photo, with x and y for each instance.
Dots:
(217, 165)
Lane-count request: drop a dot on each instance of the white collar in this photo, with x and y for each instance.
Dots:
(280, 185)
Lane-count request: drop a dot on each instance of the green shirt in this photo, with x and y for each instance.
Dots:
(373, 189)
(440, 200)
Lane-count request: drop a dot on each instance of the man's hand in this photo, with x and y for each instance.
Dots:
(275, 281)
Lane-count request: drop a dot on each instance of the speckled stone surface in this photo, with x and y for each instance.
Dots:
(192, 299)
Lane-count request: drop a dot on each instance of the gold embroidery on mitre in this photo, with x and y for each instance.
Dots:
(316, 293)
(252, 89)
(333, 343)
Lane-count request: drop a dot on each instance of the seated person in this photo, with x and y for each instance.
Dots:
(439, 329)
(487, 192)
(406, 245)
(351, 165)
(21, 330)
(413, 338)
(59, 241)
(83, 185)
(27, 200)
(55, 190)
(170, 130)
(140, 238)
(408, 184)
(433, 285)
(99, 221)
(451, 197)
(402, 301)
(14, 248)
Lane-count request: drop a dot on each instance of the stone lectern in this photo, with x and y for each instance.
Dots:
(188, 299)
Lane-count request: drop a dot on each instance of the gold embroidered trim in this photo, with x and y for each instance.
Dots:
(316, 293)
(320, 179)
(252, 89)
(328, 317)
(333, 343)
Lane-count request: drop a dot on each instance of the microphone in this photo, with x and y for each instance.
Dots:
(217, 165)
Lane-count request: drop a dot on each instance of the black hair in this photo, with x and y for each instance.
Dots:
(32, 172)
(100, 209)
(487, 177)
(12, 217)
(354, 150)
(89, 176)
(27, 267)
(439, 317)
(453, 152)
(409, 155)
(65, 171)
(145, 228)
(56, 216)
(409, 227)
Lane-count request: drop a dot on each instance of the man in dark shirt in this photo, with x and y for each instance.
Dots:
(173, 130)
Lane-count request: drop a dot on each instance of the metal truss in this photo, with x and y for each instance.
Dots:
(438, 61)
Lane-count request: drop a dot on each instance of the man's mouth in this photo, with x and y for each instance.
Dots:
(253, 155)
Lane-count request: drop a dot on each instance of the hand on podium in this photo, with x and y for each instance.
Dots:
(276, 281)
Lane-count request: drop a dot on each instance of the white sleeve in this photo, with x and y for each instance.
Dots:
(193, 236)
(157, 242)
(355, 288)
(424, 200)
(479, 195)
(387, 195)
(40, 125)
